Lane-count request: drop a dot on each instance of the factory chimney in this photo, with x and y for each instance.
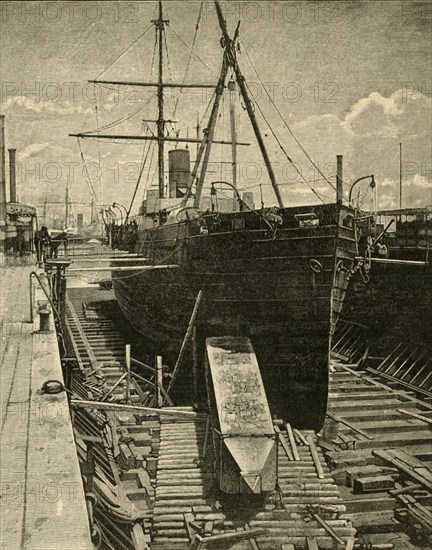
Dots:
(339, 178)
(2, 170)
(12, 176)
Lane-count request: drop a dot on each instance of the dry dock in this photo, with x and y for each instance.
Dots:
(42, 499)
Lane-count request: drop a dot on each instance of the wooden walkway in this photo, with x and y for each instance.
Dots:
(42, 498)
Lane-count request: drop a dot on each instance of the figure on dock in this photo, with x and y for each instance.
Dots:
(42, 241)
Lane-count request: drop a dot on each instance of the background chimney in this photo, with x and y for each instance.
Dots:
(12, 176)
(2, 170)
(339, 178)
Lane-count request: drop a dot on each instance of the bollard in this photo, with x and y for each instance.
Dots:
(44, 312)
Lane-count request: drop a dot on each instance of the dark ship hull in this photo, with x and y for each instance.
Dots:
(396, 303)
(283, 287)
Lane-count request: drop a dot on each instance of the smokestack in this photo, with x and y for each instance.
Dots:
(2, 170)
(339, 178)
(12, 176)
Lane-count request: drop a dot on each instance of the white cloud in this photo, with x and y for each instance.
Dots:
(41, 107)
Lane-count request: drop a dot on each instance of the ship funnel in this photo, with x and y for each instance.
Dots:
(12, 175)
(179, 172)
(244, 438)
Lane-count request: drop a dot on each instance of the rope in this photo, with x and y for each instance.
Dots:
(99, 156)
(139, 178)
(284, 152)
(193, 53)
(150, 147)
(286, 124)
(88, 179)
(124, 51)
(170, 72)
(190, 56)
(114, 123)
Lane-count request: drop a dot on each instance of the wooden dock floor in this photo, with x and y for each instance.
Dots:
(42, 497)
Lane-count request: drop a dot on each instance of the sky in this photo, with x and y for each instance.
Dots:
(348, 78)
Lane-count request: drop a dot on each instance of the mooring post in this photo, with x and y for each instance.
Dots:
(128, 372)
(62, 296)
(159, 379)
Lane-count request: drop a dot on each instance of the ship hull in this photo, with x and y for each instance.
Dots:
(283, 289)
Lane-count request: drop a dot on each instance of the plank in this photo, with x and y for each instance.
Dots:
(408, 464)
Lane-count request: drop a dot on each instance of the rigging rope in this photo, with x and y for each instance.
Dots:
(114, 123)
(191, 51)
(88, 179)
(170, 72)
(124, 51)
(99, 155)
(285, 123)
(283, 149)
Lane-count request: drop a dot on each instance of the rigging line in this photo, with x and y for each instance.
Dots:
(124, 51)
(148, 184)
(114, 123)
(190, 55)
(207, 108)
(189, 48)
(99, 155)
(139, 178)
(283, 149)
(170, 72)
(88, 179)
(284, 121)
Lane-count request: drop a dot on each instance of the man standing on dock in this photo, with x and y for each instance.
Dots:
(42, 240)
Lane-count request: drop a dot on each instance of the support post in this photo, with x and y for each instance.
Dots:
(186, 339)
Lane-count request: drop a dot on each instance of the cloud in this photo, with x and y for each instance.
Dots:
(374, 115)
(368, 137)
(42, 107)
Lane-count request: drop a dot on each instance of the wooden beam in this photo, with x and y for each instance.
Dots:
(328, 528)
(292, 442)
(284, 443)
(186, 339)
(132, 408)
(123, 268)
(151, 84)
(315, 457)
(151, 138)
(349, 425)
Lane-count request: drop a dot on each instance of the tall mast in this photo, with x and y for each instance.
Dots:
(232, 89)
(160, 23)
(67, 205)
(230, 49)
(209, 134)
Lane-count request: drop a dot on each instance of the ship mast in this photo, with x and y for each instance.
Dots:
(230, 50)
(160, 25)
